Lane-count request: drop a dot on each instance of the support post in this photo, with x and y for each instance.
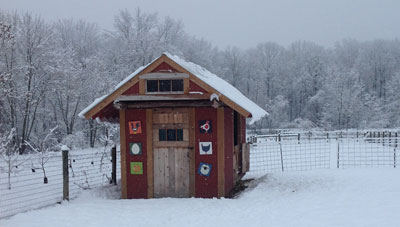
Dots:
(394, 152)
(65, 151)
(280, 147)
(338, 145)
(394, 156)
(114, 165)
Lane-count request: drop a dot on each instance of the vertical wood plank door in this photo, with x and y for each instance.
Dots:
(171, 152)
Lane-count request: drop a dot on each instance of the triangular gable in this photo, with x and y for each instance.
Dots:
(167, 62)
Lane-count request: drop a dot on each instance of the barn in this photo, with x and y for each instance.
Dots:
(182, 130)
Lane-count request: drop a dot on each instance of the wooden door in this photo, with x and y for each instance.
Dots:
(171, 152)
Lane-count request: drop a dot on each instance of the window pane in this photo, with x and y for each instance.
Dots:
(162, 135)
(177, 85)
(165, 85)
(171, 135)
(152, 85)
(179, 135)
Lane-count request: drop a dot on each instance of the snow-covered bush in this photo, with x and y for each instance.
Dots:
(9, 155)
(75, 140)
(301, 124)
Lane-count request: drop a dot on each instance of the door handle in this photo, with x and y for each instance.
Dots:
(190, 148)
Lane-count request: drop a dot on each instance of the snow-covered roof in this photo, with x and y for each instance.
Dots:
(100, 99)
(220, 85)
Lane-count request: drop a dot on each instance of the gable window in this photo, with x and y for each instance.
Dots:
(175, 85)
(152, 85)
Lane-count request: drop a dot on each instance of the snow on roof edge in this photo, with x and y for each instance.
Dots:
(120, 84)
(89, 107)
(222, 86)
(206, 76)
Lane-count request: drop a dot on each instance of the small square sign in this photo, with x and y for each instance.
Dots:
(205, 148)
(135, 148)
(204, 169)
(205, 126)
(137, 168)
(135, 127)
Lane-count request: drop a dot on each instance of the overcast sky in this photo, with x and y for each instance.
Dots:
(242, 23)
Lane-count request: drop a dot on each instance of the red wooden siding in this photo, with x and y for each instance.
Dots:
(206, 187)
(132, 90)
(228, 144)
(194, 87)
(108, 113)
(136, 184)
(164, 67)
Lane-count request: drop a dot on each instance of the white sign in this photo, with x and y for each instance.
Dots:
(205, 148)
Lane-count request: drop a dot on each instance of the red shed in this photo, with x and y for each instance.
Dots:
(182, 130)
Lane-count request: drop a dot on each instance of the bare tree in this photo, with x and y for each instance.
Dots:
(33, 40)
(78, 44)
(42, 148)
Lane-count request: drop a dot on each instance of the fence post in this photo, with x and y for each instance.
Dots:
(114, 165)
(394, 156)
(65, 151)
(394, 152)
(379, 137)
(338, 145)
(280, 147)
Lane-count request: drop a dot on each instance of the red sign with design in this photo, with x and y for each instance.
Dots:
(135, 127)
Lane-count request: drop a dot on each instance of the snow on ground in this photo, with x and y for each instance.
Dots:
(352, 197)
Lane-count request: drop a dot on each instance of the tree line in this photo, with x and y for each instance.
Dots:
(50, 71)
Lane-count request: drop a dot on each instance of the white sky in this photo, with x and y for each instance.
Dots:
(242, 23)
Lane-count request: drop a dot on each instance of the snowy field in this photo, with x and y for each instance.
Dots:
(351, 197)
(364, 191)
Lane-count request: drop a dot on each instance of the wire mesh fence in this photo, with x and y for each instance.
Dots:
(323, 150)
(367, 152)
(33, 181)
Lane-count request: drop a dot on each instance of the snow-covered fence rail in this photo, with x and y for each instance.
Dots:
(26, 185)
(319, 150)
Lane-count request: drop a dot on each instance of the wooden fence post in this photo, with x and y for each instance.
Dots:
(394, 156)
(114, 165)
(65, 151)
(338, 164)
(280, 147)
